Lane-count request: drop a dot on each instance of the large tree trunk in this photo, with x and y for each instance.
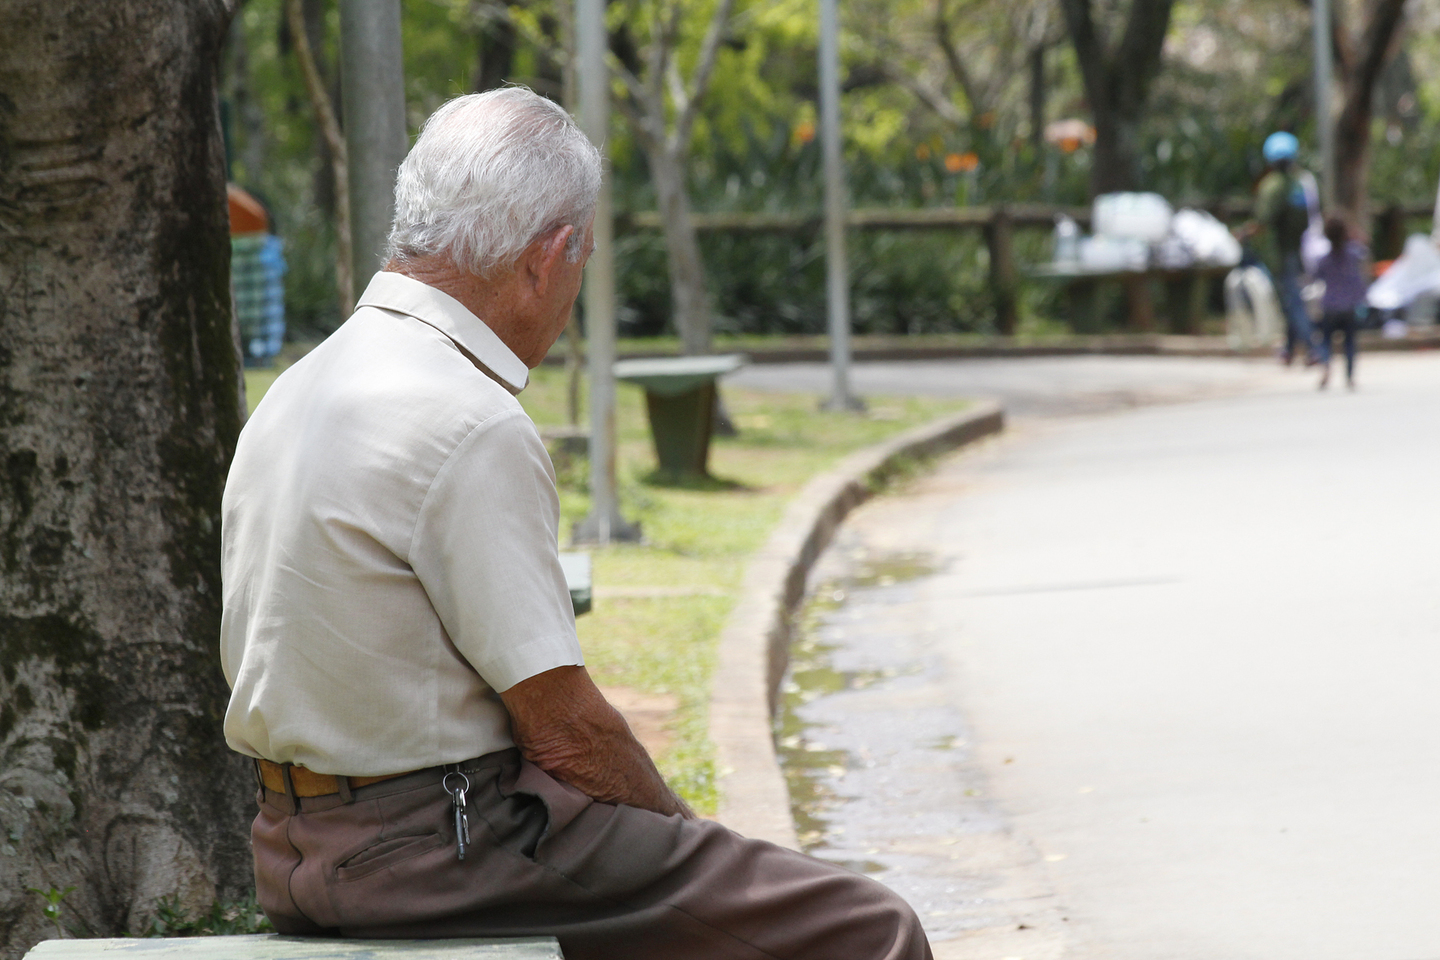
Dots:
(496, 40)
(119, 410)
(1117, 84)
(1115, 158)
(1352, 127)
(689, 297)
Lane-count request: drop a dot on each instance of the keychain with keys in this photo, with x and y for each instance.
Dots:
(462, 821)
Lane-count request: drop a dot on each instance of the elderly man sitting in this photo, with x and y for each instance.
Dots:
(434, 759)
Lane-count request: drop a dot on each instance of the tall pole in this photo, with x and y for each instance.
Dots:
(837, 274)
(604, 523)
(1435, 223)
(372, 86)
(1324, 117)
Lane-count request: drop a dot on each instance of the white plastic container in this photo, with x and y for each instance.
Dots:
(1132, 216)
(1104, 253)
(1067, 241)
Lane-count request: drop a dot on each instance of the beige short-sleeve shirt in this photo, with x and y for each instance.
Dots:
(390, 546)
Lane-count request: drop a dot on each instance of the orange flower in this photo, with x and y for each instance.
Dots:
(805, 132)
(961, 162)
(1069, 135)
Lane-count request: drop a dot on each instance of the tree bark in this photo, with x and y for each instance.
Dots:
(1117, 84)
(334, 152)
(1037, 98)
(1352, 127)
(689, 295)
(119, 410)
(661, 109)
(495, 43)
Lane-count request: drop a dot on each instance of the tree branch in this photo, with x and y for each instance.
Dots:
(335, 140)
(1089, 46)
(655, 58)
(942, 106)
(954, 61)
(645, 116)
(1381, 28)
(704, 68)
(1137, 61)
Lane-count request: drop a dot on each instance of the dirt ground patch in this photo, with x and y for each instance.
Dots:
(649, 715)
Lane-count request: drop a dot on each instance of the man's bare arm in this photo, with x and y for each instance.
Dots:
(564, 726)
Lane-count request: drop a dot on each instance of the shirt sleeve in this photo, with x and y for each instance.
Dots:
(486, 550)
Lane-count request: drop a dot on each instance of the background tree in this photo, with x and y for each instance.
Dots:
(119, 408)
(661, 104)
(1232, 71)
(1117, 80)
(334, 157)
(1360, 63)
(970, 61)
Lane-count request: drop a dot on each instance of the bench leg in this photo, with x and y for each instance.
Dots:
(680, 426)
(1141, 304)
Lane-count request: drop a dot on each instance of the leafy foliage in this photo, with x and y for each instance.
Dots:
(915, 135)
(221, 920)
(54, 897)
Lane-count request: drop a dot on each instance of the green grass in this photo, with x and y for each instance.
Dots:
(680, 583)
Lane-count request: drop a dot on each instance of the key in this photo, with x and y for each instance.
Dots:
(462, 819)
(462, 824)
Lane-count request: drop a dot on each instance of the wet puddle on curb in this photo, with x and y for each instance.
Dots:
(811, 767)
(877, 757)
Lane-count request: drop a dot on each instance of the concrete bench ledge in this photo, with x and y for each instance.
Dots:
(578, 578)
(273, 947)
(669, 376)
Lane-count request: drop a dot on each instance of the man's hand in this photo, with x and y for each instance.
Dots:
(564, 726)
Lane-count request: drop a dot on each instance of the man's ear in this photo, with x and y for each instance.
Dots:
(544, 255)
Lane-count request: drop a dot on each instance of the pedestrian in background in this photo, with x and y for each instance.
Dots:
(1345, 273)
(1282, 213)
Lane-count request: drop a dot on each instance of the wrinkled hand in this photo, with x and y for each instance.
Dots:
(563, 724)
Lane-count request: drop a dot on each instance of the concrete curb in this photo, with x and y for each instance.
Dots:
(877, 348)
(754, 643)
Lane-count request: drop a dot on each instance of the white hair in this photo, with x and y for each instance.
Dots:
(490, 174)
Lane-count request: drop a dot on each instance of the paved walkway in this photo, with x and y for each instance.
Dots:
(1037, 386)
(1151, 684)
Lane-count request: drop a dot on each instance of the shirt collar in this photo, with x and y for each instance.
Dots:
(402, 294)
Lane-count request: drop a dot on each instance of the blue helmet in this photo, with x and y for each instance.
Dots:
(1280, 146)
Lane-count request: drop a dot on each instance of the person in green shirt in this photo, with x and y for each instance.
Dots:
(1282, 214)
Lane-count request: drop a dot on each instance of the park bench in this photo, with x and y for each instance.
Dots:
(274, 947)
(680, 399)
(1187, 290)
(577, 578)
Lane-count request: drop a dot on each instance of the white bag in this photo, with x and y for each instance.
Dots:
(1208, 240)
(1415, 273)
(1252, 310)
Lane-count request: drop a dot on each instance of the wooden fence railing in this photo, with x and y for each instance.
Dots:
(997, 222)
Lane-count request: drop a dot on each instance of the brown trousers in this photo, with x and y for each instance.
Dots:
(610, 882)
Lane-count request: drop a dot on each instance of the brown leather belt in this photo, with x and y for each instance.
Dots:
(307, 783)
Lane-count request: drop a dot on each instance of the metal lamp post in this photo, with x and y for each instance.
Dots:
(837, 274)
(372, 84)
(604, 523)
